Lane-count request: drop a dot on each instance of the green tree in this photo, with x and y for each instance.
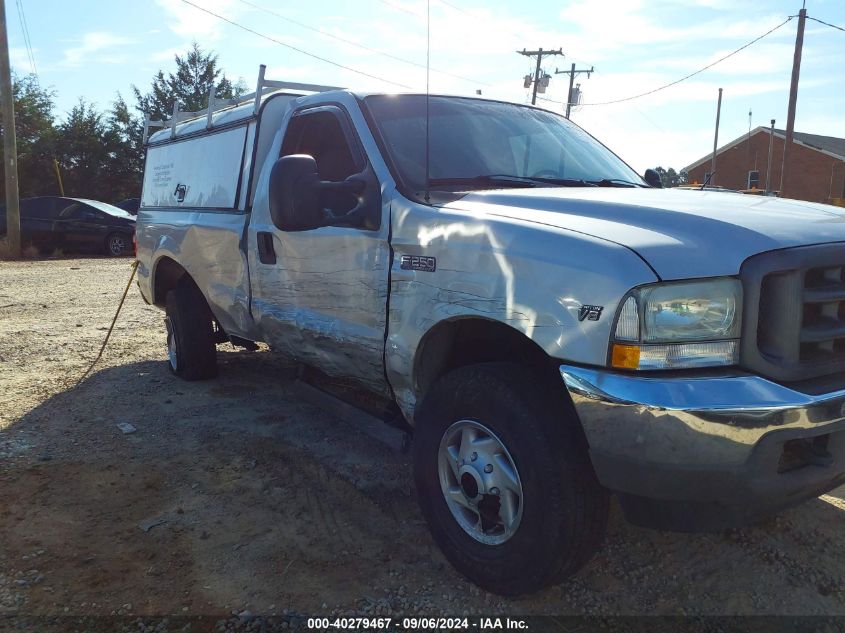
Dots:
(671, 178)
(196, 73)
(82, 148)
(124, 162)
(35, 134)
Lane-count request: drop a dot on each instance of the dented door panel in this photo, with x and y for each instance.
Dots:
(324, 299)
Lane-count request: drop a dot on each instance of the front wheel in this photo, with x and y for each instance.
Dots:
(191, 348)
(503, 480)
(115, 245)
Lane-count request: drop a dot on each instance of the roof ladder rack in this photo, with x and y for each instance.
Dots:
(268, 85)
(149, 124)
(263, 87)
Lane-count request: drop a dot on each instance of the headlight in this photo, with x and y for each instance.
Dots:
(679, 326)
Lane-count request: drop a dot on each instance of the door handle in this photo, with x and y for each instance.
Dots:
(266, 250)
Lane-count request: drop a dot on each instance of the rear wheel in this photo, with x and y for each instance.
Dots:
(191, 349)
(503, 480)
(116, 245)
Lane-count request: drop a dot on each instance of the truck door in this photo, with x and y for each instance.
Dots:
(321, 295)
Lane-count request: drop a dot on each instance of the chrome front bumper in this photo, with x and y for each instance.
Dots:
(714, 438)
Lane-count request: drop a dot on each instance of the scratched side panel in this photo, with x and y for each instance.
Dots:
(532, 278)
(208, 246)
(323, 302)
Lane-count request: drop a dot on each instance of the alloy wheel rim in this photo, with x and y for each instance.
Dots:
(480, 482)
(116, 245)
(171, 344)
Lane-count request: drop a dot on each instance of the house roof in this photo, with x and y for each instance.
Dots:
(829, 145)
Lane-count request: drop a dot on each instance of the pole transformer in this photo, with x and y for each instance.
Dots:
(572, 72)
(539, 54)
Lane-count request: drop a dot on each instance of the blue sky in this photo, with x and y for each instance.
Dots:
(97, 48)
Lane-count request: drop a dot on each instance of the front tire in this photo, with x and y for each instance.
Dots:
(504, 481)
(191, 348)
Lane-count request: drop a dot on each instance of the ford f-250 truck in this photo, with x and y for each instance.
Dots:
(552, 328)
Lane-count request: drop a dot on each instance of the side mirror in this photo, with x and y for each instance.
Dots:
(295, 194)
(653, 178)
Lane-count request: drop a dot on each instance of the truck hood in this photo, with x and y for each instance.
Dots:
(680, 233)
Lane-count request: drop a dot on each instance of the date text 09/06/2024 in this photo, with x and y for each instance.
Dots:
(416, 623)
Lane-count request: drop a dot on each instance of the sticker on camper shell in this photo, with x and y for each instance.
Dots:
(418, 262)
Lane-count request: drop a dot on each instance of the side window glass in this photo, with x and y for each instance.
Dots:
(69, 212)
(35, 209)
(320, 135)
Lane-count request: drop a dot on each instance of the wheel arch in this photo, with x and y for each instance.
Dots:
(167, 274)
(462, 341)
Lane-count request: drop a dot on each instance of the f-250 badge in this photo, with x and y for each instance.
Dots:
(418, 262)
(591, 313)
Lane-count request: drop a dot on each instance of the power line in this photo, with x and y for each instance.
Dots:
(825, 23)
(294, 48)
(693, 74)
(26, 39)
(399, 7)
(354, 43)
(516, 37)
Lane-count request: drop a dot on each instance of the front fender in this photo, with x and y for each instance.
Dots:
(532, 278)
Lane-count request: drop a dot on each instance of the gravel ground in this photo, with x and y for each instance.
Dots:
(242, 497)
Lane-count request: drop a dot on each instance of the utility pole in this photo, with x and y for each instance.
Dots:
(572, 72)
(716, 138)
(769, 166)
(748, 145)
(793, 98)
(539, 54)
(59, 177)
(10, 151)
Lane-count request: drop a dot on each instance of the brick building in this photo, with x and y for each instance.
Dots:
(817, 165)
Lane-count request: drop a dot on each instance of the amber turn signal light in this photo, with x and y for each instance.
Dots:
(625, 356)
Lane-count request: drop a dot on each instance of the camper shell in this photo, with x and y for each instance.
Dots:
(216, 170)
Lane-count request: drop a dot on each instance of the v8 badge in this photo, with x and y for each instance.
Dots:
(590, 313)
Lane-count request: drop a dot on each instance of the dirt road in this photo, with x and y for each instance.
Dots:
(237, 494)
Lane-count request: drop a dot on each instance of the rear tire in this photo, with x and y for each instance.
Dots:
(516, 428)
(116, 245)
(191, 349)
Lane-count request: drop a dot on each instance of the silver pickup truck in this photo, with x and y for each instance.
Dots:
(552, 329)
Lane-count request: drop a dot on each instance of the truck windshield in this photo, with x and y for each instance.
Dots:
(477, 144)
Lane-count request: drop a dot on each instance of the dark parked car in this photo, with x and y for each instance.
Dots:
(130, 205)
(74, 224)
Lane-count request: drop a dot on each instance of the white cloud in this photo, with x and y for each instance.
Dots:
(19, 59)
(91, 48)
(189, 22)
